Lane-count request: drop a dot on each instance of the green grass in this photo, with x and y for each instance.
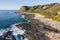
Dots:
(57, 18)
(57, 10)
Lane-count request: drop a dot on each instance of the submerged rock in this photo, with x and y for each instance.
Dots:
(9, 36)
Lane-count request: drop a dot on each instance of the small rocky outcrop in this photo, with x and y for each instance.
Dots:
(8, 36)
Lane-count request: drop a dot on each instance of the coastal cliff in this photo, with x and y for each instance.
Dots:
(51, 11)
(44, 21)
(38, 30)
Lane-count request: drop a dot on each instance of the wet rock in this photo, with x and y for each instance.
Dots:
(52, 28)
(1, 38)
(7, 36)
(32, 32)
(23, 37)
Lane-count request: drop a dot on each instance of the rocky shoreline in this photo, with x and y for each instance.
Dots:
(8, 36)
(14, 33)
(37, 30)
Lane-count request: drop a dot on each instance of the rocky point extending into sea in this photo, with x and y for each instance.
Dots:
(40, 29)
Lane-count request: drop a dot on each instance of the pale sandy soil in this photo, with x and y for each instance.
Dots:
(53, 25)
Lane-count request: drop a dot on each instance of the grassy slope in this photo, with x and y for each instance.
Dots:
(49, 12)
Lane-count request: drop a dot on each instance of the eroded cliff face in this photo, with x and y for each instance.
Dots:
(38, 30)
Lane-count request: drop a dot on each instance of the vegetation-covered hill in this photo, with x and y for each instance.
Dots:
(49, 10)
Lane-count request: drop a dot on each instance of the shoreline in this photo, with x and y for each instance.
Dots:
(41, 27)
(39, 14)
(37, 29)
(14, 33)
(41, 18)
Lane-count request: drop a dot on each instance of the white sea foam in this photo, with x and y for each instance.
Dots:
(3, 30)
(15, 30)
(22, 16)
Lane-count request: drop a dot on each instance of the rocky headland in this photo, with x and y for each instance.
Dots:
(40, 28)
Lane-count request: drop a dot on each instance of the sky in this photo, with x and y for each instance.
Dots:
(16, 4)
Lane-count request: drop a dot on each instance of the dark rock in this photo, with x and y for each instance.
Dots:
(32, 32)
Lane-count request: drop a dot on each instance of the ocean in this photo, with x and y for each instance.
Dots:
(9, 17)
(8, 20)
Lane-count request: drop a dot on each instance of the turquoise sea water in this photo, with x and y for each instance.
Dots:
(8, 20)
(9, 17)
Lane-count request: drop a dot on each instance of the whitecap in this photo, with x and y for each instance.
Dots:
(3, 30)
(22, 16)
(16, 30)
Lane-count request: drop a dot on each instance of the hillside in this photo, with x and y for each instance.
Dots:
(40, 28)
(49, 10)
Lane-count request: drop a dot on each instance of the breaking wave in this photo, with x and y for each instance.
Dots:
(15, 30)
